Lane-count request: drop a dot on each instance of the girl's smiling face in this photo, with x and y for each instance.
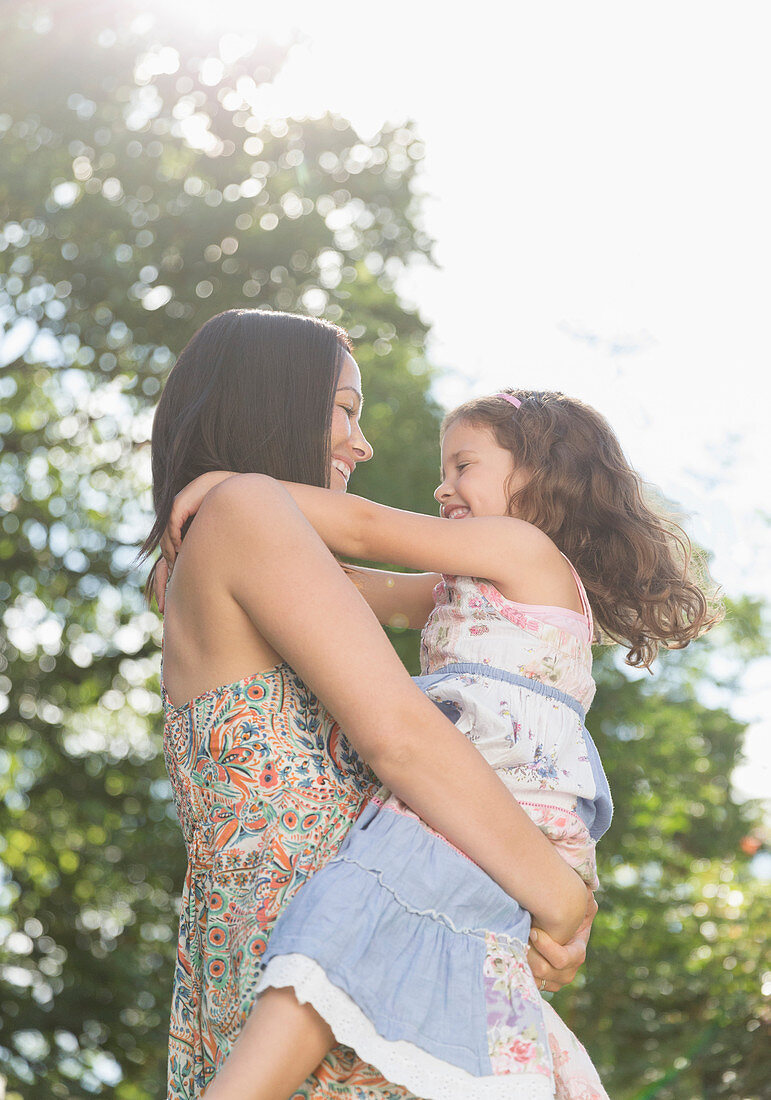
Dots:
(348, 444)
(478, 476)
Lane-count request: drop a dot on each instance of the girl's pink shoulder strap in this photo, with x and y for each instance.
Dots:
(583, 596)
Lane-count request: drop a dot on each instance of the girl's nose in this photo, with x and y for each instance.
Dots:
(441, 492)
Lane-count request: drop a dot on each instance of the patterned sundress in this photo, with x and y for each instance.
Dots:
(266, 786)
(413, 955)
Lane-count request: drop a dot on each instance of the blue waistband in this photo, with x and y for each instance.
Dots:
(511, 677)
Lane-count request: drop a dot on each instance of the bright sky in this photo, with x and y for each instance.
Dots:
(597, 179)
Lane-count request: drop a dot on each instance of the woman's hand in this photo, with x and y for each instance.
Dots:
(553, 965)
(186, 504)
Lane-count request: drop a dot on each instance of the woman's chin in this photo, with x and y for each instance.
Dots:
(337, 483)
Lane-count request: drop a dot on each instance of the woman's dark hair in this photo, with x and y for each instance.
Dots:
(646, 586)
(252, 392)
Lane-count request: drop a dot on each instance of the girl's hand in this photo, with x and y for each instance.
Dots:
(553, 965)
(186, 504)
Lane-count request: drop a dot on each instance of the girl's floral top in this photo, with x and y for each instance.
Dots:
(473, 622)
(517, 680)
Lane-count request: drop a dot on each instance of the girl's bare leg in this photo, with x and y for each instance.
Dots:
(280, 1045)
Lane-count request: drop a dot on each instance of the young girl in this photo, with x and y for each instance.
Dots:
(401, 947)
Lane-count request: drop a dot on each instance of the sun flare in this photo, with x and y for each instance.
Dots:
(279, 22)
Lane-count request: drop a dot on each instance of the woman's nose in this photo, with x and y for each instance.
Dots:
(361, 446)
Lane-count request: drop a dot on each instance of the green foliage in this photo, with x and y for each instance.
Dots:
(670, 1002)
(120, 236)
(141, 193)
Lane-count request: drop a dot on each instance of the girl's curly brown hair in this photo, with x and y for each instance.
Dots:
(646, 586)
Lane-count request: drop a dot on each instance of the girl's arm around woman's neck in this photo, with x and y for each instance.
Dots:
(520, 560)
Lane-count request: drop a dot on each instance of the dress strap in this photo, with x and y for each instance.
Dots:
(164, 695)
(583, 596)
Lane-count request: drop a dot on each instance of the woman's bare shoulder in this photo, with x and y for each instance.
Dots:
(209, 638)
(230, 513)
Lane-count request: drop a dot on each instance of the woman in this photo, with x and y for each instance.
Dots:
(265, 783)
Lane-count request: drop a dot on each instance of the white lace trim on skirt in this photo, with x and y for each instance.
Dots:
(400, 1061)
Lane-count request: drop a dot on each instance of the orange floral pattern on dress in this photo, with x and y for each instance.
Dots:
(266, 786)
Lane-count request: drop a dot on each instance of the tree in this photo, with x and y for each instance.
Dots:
(671, 1003)
(140, 195)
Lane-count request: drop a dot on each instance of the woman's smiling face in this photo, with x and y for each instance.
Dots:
(478, 476)
(348, 444)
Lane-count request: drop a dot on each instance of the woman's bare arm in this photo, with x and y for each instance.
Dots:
(300, 601)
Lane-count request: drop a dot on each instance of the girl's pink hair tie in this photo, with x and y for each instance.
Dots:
(512, 400)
